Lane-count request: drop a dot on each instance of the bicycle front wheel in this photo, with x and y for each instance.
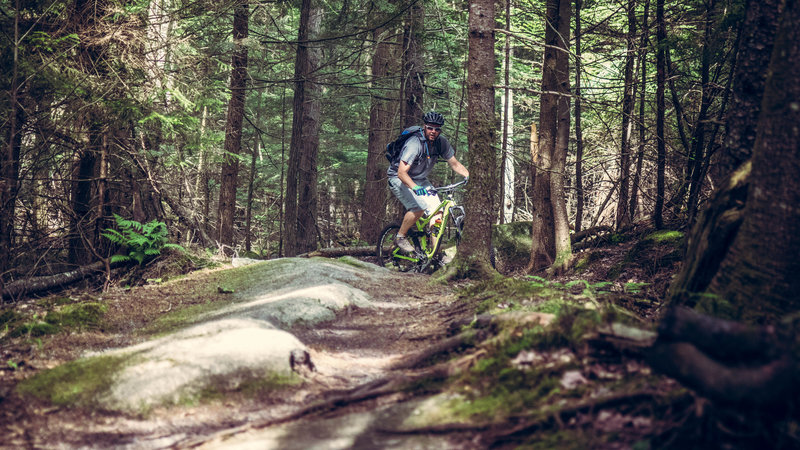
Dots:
(388, 254)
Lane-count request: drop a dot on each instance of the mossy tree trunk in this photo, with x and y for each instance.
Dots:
(472, 259)
(749, 272)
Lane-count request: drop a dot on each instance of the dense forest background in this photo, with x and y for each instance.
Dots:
(260, 126)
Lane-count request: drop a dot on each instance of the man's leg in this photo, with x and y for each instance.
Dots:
(408, 220)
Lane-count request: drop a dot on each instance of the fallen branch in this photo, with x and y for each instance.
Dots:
(34, 285)
(589, 232)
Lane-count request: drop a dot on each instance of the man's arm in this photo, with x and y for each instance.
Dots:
(457, 167)
(402, 174)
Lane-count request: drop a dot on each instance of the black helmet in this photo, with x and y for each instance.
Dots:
(434, 118)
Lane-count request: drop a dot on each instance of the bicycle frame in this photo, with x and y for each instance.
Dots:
(428, 242)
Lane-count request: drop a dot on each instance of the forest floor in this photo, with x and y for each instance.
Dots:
(420, 370)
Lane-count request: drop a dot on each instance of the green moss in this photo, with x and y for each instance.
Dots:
(350, 261)
(665, 236)
(78, 316)
(77, 382)
(181, 317)
(35, 328)
(8, 317)
(245, 383)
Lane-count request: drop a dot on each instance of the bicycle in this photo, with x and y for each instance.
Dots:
(427, 240)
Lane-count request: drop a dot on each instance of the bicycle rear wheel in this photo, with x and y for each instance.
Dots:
(388, 253)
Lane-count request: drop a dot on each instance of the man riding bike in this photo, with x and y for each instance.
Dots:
(408, 175)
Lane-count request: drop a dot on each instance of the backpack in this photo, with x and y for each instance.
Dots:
(394, 148)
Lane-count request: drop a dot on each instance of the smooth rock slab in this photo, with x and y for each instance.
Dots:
(220, 354)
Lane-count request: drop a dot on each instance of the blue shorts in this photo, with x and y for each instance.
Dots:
(412, 201)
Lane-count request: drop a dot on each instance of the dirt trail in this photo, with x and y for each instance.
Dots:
(352, 355)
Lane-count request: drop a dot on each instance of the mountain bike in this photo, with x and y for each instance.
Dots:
(430, 241)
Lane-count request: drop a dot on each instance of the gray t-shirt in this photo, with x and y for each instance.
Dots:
(422, 156)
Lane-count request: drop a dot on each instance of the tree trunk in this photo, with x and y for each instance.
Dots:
(374, 206)
(758, 30)
(661, 149)
(301, 176)
(698, 156)
(756, 278)
(472, 259)
(233, 127)
(543, 235)
(507, 164)
(578, 127)
(9, 165)
(563, 248)
(623, 218)
(413, 74)
(637, 176)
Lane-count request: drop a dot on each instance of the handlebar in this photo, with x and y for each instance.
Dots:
(449, 188)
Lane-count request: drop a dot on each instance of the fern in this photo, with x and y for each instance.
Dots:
(143, 241)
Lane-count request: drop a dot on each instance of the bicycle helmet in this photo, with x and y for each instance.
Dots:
(433, 118)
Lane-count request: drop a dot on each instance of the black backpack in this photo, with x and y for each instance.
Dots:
(394, 148)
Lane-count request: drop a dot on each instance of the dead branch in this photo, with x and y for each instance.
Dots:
(593, 231)
(33, 285)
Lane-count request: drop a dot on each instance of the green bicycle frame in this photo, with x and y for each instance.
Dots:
(421, 225)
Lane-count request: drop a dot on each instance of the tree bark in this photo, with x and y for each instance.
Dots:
(637, 176)
(9, 165)
(563, 248)
(374, 206)
(759, 28)
(472, 259)
(759, 275)
(507, 164)
(578, 126)
(233, 127)
(413, 75)
(623, 217)
(301, 176)
(661, 149)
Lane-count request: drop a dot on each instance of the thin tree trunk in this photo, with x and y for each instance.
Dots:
(233, 127)
(698, 154)
(563, 247)
(9, 166)
(374, 206)
(623, 217)
(661, 41)
(413, 75)
(637, 176)
(578, 127)
(507, 165)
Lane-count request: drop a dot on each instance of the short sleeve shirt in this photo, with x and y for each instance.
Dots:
(422, 156)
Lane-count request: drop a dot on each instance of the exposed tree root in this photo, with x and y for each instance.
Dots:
(382, 387)
(728, 362)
